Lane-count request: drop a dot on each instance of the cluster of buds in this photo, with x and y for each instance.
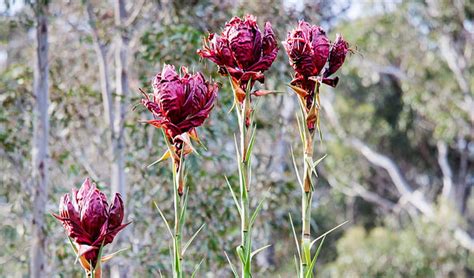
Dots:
(179, 104)
(314, 59)
(241, 51)
(90, 222)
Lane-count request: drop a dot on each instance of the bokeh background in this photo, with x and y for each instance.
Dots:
(398, 132)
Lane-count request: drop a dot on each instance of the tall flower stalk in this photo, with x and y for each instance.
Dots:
(243, 54)
(90, 224)
(314, 59)
(179, 104)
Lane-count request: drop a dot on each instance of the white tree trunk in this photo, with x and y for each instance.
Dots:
(121, 87)
(40, 146)
(121, 83)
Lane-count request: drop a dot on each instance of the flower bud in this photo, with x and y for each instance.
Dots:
(240, 50)
(338, 54)
(245, 40)
(308, 49)
(89, 221)
(180, 103)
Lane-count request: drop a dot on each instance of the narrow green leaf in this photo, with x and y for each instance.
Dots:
(164, 219)
(232, 266)
(326, 233)
(296, 170)
(257, 210)
(301, 129)
(297, 266)
(309, 161)
(182, 217)
(251, 143)
(111, 255)
(191, 239)
(168, 144)
(294, 235)
(316, 164)
(259, 250)
(315, 258)
(196, 269)
(319, 130)
(73, 246)
(237, 150)
(177, 262)
(248, 89)
(164, 157)
(234, 103)
(171, 255)
(234, 197)
(240, 253)
(92, 269)
(101, 250)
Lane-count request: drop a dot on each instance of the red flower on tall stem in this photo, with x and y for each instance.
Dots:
(179, 104)
(241, 51)
(314, 59)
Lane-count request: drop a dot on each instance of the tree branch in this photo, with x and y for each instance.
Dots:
(356, 189)
(445, 169)
(101, 52)
(414, 197)
(134, 15)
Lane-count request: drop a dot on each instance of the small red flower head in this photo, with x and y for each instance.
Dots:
(338, 55)
(309, 50)
(241, 50)
(180, 103)
(89, 220)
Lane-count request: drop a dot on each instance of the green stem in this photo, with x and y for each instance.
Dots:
(244, 169)
(306, 232)
(307, 194)
(178, 207)
(306, 200)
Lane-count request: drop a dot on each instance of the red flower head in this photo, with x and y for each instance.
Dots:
(89, 221)
(180, 103)
(338, 55)
(309, 50)
(240, 50)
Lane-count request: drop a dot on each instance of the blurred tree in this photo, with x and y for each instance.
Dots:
(40, 166)
(422, 251)
(401, 111)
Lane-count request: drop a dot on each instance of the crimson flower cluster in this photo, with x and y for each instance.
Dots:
(241, 51)
(309, 50)
(89, 220)
(180, 103)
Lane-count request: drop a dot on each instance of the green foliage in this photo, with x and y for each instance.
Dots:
(170, 44)
(424, 250)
